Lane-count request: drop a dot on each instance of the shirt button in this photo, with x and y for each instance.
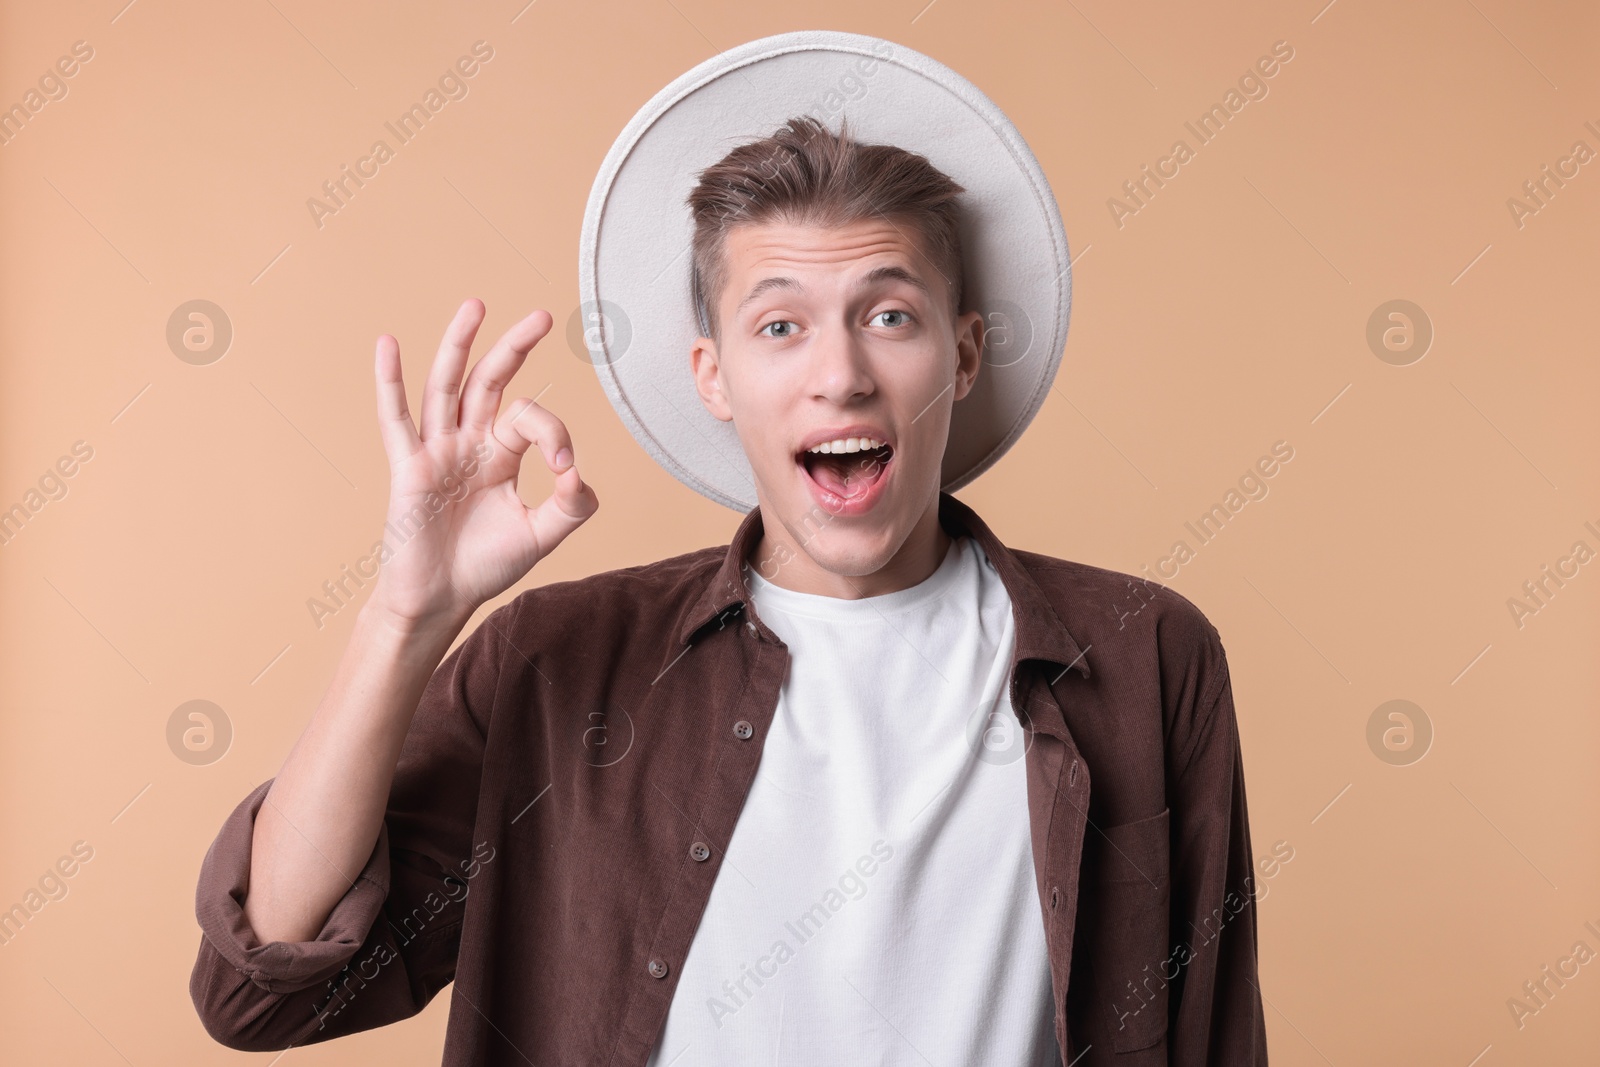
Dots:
(699, 851)
(742, 730)
(658, 969)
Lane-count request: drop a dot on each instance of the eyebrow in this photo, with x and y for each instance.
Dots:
(888, 272)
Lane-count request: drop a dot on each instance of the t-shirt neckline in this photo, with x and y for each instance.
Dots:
(862, 609)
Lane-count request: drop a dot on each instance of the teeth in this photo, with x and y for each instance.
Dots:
(847, 444)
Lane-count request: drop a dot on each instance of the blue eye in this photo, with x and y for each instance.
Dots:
(777, 322)
(905, 315)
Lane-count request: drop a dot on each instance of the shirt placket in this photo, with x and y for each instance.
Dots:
(1058, 804)
(740, 731)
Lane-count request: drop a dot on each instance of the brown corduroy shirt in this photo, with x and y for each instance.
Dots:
(577, 764)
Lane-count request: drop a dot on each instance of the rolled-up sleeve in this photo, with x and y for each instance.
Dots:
(391, 942)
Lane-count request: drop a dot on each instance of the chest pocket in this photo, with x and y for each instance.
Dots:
(1131, 874)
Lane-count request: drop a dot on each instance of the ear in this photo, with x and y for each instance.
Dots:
(969, 351)
(706, 366)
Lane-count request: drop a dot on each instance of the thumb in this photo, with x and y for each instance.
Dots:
(568, 507)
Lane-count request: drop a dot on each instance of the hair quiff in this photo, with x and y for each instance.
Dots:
(806, 174)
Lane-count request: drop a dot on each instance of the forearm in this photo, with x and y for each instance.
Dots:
(322, 814)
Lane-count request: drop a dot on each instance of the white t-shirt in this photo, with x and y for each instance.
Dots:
(877, 902)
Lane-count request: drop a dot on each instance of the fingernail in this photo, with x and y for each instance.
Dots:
(564, 458)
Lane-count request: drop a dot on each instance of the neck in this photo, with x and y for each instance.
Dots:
(782, 560)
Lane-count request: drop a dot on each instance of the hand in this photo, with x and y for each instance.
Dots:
(458, 533)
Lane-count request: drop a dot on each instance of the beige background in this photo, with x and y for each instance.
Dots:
(1230, 312)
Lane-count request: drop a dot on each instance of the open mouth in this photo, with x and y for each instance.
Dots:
(847, 476)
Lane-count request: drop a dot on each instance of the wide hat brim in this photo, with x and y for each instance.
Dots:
(636, 323)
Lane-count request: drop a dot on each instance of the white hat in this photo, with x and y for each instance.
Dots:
(637, 322)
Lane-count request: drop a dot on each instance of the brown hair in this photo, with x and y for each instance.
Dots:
(805, 174)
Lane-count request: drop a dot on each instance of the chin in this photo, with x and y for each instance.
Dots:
(849, 561)
(850, 546)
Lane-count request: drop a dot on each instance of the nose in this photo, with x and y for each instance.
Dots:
(841, 372)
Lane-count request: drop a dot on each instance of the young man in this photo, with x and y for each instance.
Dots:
(863, 785)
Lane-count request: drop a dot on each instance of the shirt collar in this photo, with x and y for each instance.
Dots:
(1040, 633)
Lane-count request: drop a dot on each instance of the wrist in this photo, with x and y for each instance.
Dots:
(425, 631)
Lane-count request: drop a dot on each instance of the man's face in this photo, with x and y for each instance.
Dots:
(828, 335)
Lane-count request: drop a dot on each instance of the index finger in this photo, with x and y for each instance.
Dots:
(525, 423)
